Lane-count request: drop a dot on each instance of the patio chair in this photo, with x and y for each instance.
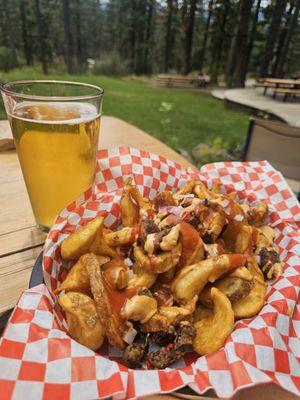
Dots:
(279, 144)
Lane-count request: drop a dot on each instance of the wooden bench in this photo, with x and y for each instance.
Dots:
(175, 81)
(286, 92)
(265, 85)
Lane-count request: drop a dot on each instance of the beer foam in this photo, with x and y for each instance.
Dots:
(55, 112)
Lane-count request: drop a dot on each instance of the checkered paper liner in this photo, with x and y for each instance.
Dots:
(37, 357)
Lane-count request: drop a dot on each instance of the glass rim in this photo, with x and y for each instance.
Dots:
(7, 89)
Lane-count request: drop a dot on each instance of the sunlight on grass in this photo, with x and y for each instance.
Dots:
(180, 118)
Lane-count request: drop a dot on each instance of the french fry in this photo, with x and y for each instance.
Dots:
(107, 318)
(84, 325)
(139, 308)
(233, 287)
(258, 214)
(191, 280)
(212, 331)
(122, 237)
(78, 279)
(169, 315)
(159, 263)
(79, 242)
(202, 312)
(165, 198)
(128, 208)
(101, 247)
(253, 303)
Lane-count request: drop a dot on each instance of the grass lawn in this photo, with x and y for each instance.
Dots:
(180, 118)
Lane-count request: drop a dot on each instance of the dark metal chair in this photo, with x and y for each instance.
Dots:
(279, 144)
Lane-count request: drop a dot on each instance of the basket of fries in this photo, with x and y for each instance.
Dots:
(159, 278)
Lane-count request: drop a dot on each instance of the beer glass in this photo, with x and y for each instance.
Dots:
(55, 125)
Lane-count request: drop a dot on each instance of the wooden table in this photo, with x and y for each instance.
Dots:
(21, 241)
(279, 81)
(276, 83)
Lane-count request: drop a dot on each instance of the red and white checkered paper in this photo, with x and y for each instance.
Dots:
(38, 360)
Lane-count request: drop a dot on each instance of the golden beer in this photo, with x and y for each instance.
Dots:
(57, 146)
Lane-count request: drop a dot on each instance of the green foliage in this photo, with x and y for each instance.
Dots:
(193, 117)
(218, 149)
(111, 64)
(5, 58)
(135, 36)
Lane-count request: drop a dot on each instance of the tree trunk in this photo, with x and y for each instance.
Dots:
(218, 52)
(68, 37)
(231, 59)
(242, 43)
(281, 38)
(284, 50)
(188, 34)
(168, 40)
(205, 37)
(253, 32)
(149, 33)
(79, 52)
(42, 55)
(26, 45)
(132, 37)
(272, 37)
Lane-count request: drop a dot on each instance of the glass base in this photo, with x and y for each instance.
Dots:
(43, 228)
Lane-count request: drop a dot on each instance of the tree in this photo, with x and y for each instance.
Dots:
(287, 39)
(287, 17)
(241, 43)
(149, 35)
(218, 41)
(68, 36)
(188, 18)
(26, 42)
(41, 41)
(79, 50)
(253, 32)
(205, 36)
(169, 35)
(272, 37)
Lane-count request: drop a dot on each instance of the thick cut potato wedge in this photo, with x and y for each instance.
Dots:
(78, 279)
(84, 324)
(253, 303)
(238, 237)
(164, 199)
(123, 237)
(100, 246)
(202, 312)
(142, 278)
(186, 189)
(169, 315)
(128, 208)
(192, 245)
(258, 214)
(233, 287)
(139, 308)
(159, 263)
(213, 330)
(114, 330)
(79, 242)
(191, 280)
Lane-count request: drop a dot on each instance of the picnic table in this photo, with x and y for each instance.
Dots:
(279, 85)
(21, 242)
